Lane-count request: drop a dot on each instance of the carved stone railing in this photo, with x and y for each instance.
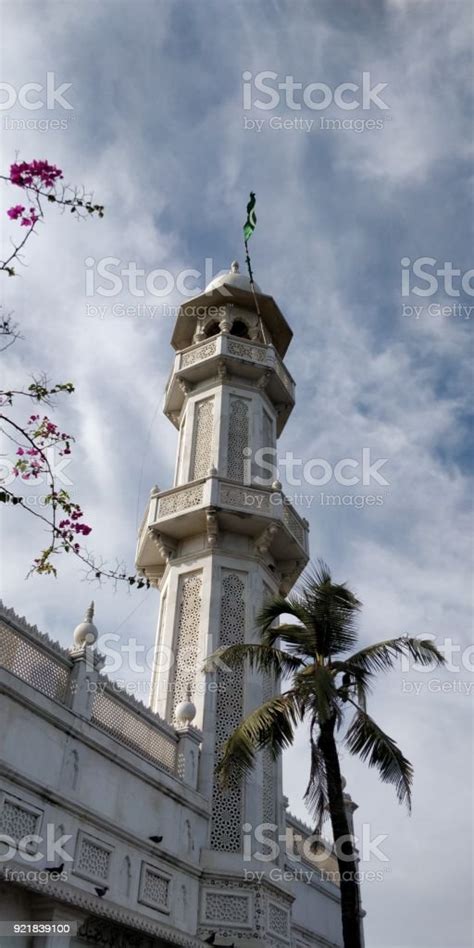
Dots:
(225, 344)
(33, 658)
(48, 668)
(136, 727)
(213, 491)
(294, 523)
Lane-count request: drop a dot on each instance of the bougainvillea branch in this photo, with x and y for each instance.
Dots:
(41, 182)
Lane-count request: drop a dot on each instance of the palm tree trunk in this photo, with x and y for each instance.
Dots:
(349, 887)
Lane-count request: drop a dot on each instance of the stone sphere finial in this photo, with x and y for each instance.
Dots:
(86, 632)
(234, 267)
(185, 712)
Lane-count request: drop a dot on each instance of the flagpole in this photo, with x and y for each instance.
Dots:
(249, 268)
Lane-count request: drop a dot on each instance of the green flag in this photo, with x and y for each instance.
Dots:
(251, 221)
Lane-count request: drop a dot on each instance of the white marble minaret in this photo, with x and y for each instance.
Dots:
(218, 543)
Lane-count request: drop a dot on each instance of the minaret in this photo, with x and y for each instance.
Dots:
(222, 540)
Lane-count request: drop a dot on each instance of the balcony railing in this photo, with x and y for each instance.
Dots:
(227, 345)
(217, 492)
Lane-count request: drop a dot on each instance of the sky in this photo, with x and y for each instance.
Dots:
(158, 120)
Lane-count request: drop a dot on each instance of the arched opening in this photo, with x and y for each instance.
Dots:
(211, 330)
(240, 329)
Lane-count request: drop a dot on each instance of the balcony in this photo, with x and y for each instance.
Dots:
(215, 504)
(252, 361)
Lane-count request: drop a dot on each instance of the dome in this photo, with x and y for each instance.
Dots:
(233, 278)
(86, 632)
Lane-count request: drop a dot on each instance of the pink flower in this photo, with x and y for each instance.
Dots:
(15, 212)
(34, 173)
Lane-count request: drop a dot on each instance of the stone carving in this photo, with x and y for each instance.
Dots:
(263, 542)
(98, 932)
(223, 907)
(212, 526)
(93, 860)
(187, 639)
(278, 920)
(118, 717)
(238, 437)
(202, 438)
(226, 817)
(154, 888)
(198, 354)
(34, 663)
(17, 821)
(166, 546)
(180, 500)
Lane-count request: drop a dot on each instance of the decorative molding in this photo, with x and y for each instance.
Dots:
(264, 380)
(93, 858)
(212, 526)
(166, 546)
(263, 542)
(154, 888)
(65, 894)
(184, 385)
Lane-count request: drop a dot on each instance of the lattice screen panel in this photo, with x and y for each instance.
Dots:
(238, 436)
(128, 727)
(187, 638)
(33, 664)
(202, 439)
(226, 826)
(17, 821)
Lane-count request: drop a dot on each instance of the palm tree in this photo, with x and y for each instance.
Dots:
(325, 684)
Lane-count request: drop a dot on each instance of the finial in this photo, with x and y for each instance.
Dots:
(86, 632)
(186, 710)
(234, 267)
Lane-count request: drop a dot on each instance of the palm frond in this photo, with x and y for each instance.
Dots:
(316, 686)
(333, 609)
(262, 657)
(383, 655)
(366, 739)
(272, 725)
(299, 637)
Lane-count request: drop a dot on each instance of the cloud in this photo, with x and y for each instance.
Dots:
(157, 130)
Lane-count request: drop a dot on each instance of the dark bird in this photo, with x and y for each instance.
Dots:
(101, 890)
(158, 839)
(211, 939)
(51, 869)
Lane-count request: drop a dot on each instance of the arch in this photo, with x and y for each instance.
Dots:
(240, 329)
(212, 329)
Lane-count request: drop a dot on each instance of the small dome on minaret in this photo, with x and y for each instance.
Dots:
(233, 278)
(86, 632)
